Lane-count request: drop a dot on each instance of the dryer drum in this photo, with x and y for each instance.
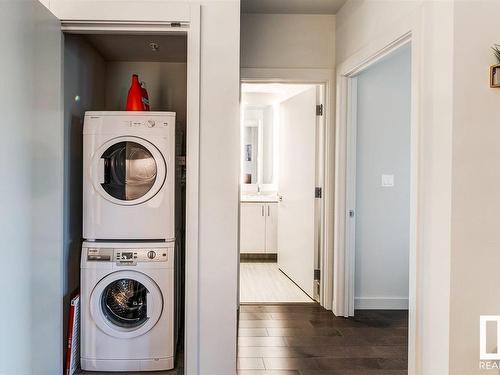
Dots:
(124, 303)
(129, 170)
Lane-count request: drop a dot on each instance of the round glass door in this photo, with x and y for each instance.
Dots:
(126, 304)
(128, 170)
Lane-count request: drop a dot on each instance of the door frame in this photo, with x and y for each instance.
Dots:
(325, 78)
(402, 34)
(185, 19)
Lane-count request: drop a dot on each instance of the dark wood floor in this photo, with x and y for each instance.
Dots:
(309, 340)
(305, 339)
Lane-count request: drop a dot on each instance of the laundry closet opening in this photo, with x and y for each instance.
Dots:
(98, 68)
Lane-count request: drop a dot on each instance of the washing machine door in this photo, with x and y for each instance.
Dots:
(128, 170)
(126, 304)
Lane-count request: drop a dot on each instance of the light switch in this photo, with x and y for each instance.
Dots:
(387, 180)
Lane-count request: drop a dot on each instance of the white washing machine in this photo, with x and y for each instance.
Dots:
(129, 175)
(127, 306)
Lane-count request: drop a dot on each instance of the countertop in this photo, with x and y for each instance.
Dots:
(259, 198)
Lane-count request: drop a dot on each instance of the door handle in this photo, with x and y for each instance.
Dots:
(268, 210)
(262, 210)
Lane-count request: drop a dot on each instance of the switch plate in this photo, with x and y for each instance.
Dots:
(387, 180)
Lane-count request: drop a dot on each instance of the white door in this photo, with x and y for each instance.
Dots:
(297, 174)
(253, 228)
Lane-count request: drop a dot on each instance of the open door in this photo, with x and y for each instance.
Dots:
(297, 173)
(31, 199)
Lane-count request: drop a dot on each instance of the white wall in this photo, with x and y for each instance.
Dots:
(287, 41)
(383, 213)
(219, 180)
(300, 48)
(31, 193)
(363, 27)
(360, 21)
(15, 339)
(476, 164)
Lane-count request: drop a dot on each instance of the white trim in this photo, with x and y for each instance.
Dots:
(192, 313)
(405, 31)
(350, 232)
(83, 27)
(381, 303)
(326, 78)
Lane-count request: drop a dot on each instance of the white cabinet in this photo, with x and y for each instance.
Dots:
(272, 228)
(258, 227)
(252, 228)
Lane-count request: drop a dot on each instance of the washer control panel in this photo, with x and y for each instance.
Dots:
(127, 257)
(149, 123)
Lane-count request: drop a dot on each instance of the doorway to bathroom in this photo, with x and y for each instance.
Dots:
(281, 205)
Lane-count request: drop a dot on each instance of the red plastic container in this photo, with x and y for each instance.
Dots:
(145, 97)
(134, 98)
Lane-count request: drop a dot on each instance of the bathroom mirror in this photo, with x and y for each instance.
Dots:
(257, 145)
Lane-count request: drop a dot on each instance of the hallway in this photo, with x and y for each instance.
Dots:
(305, 339)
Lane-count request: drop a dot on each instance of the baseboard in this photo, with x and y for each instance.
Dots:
(259, 257)
(380, 303)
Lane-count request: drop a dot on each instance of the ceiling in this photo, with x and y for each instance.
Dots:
(264, 94)
(118, 47)
(292, 6)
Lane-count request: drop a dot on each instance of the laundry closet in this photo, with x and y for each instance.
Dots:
(98, 69)
(50, 87)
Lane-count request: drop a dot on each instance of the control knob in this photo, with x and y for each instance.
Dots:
(150, 123)
(151, 254)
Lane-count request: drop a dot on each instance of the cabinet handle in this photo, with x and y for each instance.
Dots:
(262, 209)
(268, 210)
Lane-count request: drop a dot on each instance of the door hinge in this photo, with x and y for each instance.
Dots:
(317, 274)
(318, 192)
(319, 110)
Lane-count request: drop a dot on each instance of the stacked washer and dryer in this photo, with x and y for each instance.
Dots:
(127, 266)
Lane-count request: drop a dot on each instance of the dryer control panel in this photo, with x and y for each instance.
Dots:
(127, 257)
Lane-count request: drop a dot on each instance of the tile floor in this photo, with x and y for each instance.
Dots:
(265, 283)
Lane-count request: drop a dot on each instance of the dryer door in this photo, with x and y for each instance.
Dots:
(126, 304)
(128, 170)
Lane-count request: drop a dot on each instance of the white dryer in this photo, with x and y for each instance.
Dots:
(127, 306)
(129, 175)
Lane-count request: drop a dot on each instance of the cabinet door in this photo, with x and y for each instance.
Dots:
(253, 228)
(272, 228)
(31, 224)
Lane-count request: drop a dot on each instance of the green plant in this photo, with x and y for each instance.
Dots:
(496, 51)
